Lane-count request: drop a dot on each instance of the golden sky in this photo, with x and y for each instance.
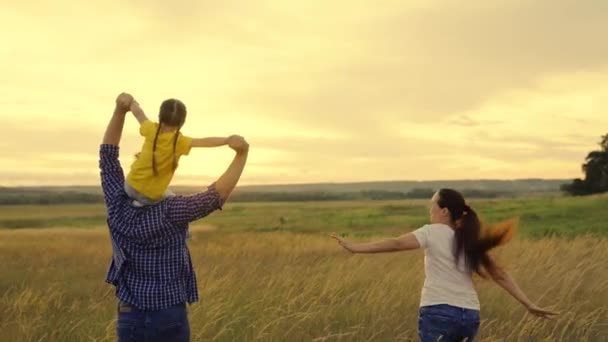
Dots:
(324, 91)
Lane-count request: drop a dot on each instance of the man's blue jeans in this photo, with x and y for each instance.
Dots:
(167, 325)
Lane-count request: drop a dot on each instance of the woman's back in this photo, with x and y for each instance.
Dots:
(445, 282)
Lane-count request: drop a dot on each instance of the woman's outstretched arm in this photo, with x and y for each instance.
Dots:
(504, 280)
(402, 243)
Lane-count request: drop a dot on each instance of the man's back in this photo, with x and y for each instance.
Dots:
(151, 265)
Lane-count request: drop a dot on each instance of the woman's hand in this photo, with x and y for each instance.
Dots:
(345, 244)
(540, 312)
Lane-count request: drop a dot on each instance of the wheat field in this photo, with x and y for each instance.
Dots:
(280, 286)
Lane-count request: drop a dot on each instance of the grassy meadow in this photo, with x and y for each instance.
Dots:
(269, 272)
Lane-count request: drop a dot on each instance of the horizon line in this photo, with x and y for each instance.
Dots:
(320, 183)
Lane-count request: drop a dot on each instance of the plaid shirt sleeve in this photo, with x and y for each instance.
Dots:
(112, 176)
(182, 210)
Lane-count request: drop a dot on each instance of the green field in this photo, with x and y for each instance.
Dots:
(269, 272)
(540, 216)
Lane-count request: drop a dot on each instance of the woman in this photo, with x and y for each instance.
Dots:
(151, 266)
(454, 249)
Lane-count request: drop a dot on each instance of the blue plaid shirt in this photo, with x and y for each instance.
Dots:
(151, 265)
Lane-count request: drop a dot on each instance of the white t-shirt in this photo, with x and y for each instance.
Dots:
(445, 283)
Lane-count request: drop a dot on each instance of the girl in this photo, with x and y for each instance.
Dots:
(164, 144)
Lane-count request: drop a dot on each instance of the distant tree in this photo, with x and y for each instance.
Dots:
(419, 193)
(596, 173)
(382, 195)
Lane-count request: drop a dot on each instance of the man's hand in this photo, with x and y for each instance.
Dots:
(123, 102)
(238, 143)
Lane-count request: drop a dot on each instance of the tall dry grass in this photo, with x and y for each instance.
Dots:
(290, 287)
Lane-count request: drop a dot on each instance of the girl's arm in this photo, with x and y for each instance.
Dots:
(209, 142)
(138, 112)
(402, 243)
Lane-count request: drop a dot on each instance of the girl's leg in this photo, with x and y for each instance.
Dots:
(170, 193)
(140, 199)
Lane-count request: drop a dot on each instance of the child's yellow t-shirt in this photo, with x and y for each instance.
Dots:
(141, 177)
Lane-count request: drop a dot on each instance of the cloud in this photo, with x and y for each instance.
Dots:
(345, 90)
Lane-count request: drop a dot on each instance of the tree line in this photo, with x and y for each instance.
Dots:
(12, 197)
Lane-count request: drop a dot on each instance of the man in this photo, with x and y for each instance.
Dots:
(151, 266)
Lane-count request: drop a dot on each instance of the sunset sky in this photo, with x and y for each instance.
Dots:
(324, 91)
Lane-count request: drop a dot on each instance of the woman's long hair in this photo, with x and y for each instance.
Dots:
(471, 241)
